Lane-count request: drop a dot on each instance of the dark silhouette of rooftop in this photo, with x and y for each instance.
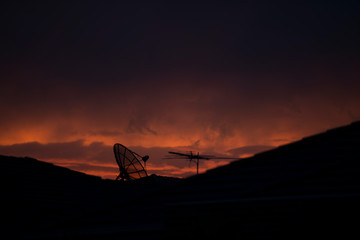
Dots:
(44, 195)
(309, 188)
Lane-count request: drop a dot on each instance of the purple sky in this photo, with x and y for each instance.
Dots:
(216, 77)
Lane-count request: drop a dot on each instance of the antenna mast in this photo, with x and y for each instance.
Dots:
(198, 157)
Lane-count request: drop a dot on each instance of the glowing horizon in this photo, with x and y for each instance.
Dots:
(225, 78)
(96, 158)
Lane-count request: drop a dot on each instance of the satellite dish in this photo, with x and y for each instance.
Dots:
(129, 163)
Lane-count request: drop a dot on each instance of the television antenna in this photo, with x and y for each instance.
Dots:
(195, 157)
(129, 163)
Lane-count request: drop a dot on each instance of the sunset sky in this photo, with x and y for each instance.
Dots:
(157, 76)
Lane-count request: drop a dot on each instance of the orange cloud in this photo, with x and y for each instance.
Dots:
(183, 112)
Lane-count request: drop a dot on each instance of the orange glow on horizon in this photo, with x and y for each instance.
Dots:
(90, 146)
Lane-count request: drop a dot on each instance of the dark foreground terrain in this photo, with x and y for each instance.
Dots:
(306, 189)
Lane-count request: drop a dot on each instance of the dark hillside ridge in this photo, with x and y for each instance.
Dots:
(309, 188)
(45, 195)
(31, 169)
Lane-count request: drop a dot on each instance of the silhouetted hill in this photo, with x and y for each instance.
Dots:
(45, 195)
(309, 188)
(32, 169)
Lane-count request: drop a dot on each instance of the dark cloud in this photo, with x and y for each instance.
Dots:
(112, 41)
(51, 150)
(169, 74)
(138, 126)
(105, 133)
(204, 110)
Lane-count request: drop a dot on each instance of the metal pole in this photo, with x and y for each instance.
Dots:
(197, 166)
